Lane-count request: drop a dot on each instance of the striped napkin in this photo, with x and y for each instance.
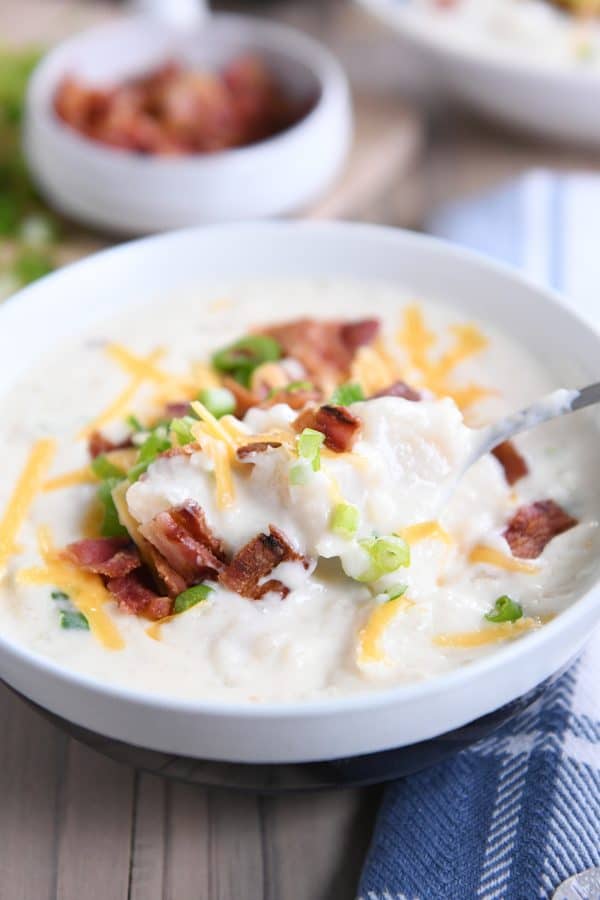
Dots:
(518, 813)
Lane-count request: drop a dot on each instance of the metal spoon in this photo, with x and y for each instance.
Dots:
(553, 405)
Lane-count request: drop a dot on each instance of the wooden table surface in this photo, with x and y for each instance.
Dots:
(77, 826)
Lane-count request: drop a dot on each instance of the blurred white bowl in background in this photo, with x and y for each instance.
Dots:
(128, 193)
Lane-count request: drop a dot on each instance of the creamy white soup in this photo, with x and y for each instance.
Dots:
(565, 33)
(237, 494)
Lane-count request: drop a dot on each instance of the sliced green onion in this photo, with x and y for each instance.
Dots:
(309, 447)
(244, 356)
(189, 598)
(155, 443)
(134, 423)
(344, 520)
(397, 590)
(346, 394)
(72, 619)
(505, 610)
(111, 524)
(218, 401)
(300, 473)
(104, 468)
(182, 428)
(386, 555)
(59, 596)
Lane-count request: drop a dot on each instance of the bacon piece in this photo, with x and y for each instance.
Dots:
(257, 447)
(164, 574)
(245, 399)
(533, 526)
(185, 450)
(177, 410)
(99, 444)
(111, 557)
(294, 399)
(398, 389)
(340, 427)
(182, 536)
(255, 561)
(325, 348)
(134, 596)
(511, 461)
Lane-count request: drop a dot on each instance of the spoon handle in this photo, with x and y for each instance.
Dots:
(587, 396)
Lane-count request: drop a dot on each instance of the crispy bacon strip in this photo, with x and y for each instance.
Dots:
(257, 447)
(534, 526)
(340, 427)
(111, 557)
(398, 389)
(255, 561)
(134, 596)
(98, 444)
(511, 461)
(325, 348)
(182, 536)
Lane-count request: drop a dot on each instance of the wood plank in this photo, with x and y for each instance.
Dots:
(95, 827)
(236, 847)
(147, 876)
(31, 755)
(186, 848)
(316, 844)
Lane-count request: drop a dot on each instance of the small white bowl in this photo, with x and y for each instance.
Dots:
(532, 94)
(333, 727)
(127, 193)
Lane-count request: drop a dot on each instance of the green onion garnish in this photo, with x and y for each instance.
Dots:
(73, 619)
(59, 596)
(218, 401)
(386, 555)
(397, 590)
(134, 423)
(346, 394)
(300, 473)
(103, 468)
(111, 524)
(189, 598)
(182, 428)
(155, 443)
(344, 520)
(309, 447)
(244, 356)
(505, 610)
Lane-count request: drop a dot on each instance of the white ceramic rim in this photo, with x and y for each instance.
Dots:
(309, 52)
(586, 607)
(413, 24)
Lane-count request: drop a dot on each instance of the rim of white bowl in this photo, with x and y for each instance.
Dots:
(389, 696)
(404, 18)
(300, 47)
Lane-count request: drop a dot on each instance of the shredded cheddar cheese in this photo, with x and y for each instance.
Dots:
(85, 589)
(490, 634)
(369, 639)
(27, 487)
(154, 631)
(223, 473)
(70, 479)
(492, 557)
(371, 368)
(435, 374)
(425, 531)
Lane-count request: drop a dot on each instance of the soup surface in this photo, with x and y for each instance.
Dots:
(239, 494)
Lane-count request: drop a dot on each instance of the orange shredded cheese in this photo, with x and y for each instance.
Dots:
(490, 634)
(492, 557)
(70, 479)
(154, 631)
(85, 589)
(369, 639)
(425, 531)
(28, 485)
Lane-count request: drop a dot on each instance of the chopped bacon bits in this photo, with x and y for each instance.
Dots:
(173, 110)
(257, 447)
(177, 410)
(99, 444)
(255, 561)
(245, 399)
(183, 537)
(340, 427)
(134, 596)
(534, 526)
(398, 389)
(326, 349)
(111, 557)
(511, 461)
(294, 399)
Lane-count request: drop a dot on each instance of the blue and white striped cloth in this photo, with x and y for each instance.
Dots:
(519, 812)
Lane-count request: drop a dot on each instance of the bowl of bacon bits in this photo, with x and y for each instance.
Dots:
(133, 127)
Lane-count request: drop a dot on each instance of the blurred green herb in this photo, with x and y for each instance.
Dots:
(28, 232)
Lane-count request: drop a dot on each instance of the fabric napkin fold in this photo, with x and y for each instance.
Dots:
(519, 812)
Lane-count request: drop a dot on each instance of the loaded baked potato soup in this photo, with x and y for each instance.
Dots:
(237, 495)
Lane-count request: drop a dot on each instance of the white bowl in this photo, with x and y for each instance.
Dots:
(330, 728)
(528, 92)
(128, 193)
